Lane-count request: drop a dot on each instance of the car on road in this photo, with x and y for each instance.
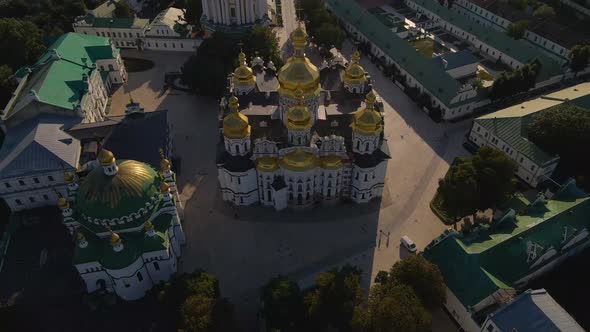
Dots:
(408, 243)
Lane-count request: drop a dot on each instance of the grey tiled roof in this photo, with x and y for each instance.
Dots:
(39, 145)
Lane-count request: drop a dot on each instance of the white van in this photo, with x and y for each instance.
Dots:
(408, 243)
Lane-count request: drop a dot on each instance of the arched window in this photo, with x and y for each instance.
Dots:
(237, 148)
(299, 188)
(139, 276)
(156, 266)
(367, 146)
(358, 144)
(366, 177)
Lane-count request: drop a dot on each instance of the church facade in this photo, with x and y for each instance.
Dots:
(236, 16)
(301, 135)
(126, 220)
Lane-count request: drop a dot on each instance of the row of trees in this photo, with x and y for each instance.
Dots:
(206, 71)
(399, 300)
(519, 80)
(322, 25)
(479, 183)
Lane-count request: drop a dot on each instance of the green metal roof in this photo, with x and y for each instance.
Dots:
(518, 49)
(57, 77)
(434, 78)
(134, 245)
(490, 258)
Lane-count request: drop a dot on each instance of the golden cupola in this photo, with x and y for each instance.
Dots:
(267, 164)
(299, 73)
(299, 160)
(355, 73)
(243, 75)
(235, 124)
(106, 157)
(298, 116)
(368, 121)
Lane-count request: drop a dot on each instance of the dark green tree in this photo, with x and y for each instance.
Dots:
(331, 303)
(194, 10)
(263, 41)
(459, 189)
(283, 304)
(192, 302)
(517, 29)
(23, 39)
(207, 71)
(391, 309)
(544, 12)
(422, 276)
(565, 130)
(6, 87)
(519, 80)
(328, 35)
(123, 10)
(579, 56)
(495, 176)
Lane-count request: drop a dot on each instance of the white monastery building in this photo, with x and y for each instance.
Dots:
(311, 140)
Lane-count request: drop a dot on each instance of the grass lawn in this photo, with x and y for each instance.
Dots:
(424, 46)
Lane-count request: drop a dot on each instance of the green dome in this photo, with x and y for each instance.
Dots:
(107, 197)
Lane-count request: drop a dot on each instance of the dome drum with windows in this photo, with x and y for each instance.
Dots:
(368, 121)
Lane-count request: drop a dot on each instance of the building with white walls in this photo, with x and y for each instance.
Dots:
(482, 268)
(69, 84)
(126, 220)
(506, 130)
(310, 141)
(453, 98)
(236, 16)
(553, 39)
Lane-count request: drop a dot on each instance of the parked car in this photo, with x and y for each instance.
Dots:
(408, 243)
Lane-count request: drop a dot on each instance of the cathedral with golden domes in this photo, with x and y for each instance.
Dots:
(125, 217)
(300, 135)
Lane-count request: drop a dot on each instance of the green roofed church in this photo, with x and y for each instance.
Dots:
(126, 217)
(484, 267)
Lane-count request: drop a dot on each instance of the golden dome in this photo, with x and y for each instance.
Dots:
(243, 74)
(164, 164)
(299, 160)
(63, 203)
(68, 177)
(368, 121)
(299, 73)
(355, 73)
(148, 226)
(235, 124)
(105, 157)
(267, 164)
(331, 162)
(299, 38)
(164, 187)
(115, 239)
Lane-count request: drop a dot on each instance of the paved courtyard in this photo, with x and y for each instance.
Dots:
(246, 247)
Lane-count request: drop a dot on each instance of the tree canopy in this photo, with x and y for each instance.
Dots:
(331, 303)
(194, 10)
(579, 56)
(23, 39)
(263, 41)
(328, 35)
(206, 72)
(517, 29)
(391, 309)
(519, 80)
(565, 130)
(322, 25)
(123, 10)
(422, 276)
(544, 12)
(192, 302)
(495, 176)
(283, 304)
(459, 189)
